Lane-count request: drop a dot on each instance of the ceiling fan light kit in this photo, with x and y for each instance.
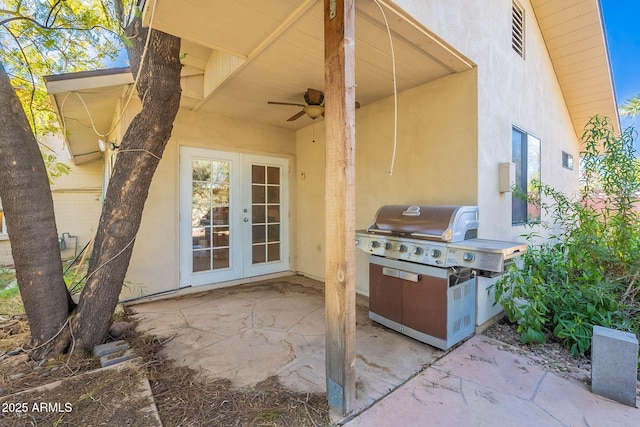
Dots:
(314, 111)
(313, 108)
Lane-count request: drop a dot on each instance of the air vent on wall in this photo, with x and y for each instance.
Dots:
(517, 29)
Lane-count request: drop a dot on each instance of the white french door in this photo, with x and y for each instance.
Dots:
(234, 214)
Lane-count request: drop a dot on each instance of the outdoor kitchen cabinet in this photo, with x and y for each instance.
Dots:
(429, 304)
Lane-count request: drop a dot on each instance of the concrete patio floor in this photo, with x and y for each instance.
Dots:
(250, 332)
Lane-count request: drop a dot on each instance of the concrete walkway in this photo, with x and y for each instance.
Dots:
(250, 332)
(481, 383)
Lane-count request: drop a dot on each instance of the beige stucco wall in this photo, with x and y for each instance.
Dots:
(76, 201)
(436, 161)
(155, 263)
(511, 91)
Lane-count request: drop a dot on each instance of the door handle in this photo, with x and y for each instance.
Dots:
(245, 219)
(400, 274)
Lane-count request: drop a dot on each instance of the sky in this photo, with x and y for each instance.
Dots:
(622, 28)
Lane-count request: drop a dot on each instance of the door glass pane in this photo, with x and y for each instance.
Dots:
(258, 234)
(257, 174)
(258, 215)
(201, 193)
(274, 233)
(210, 214)
(258, 254)
(200, 215)
(220, 237)
(201, 170)
(273, 194)
(273, 213)
(201, 260)
(257, 193)
(200, 238)
(220, 258)
(220, 172)
(274, 252)
(273, 175)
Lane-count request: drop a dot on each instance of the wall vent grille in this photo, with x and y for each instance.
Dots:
(517, 29)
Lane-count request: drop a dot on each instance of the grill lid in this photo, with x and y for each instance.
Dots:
(442, 223)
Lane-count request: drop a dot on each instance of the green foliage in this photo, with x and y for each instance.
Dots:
(55, 169)
(40, 38)
(586, 273)
(10, 302)
(631, 107)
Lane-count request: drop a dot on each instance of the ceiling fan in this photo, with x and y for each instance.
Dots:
(313, 108)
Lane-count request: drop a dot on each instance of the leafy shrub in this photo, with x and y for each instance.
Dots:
(587, 273)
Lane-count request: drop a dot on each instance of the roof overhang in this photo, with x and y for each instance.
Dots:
(574, 34)
(240, 54)
(86, 103)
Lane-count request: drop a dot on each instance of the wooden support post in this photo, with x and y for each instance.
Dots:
(340, 307)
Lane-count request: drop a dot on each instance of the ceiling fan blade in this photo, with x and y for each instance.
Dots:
(296, 116)
(285, 103)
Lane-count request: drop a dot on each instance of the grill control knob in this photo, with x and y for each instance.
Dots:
(418, 251)
(436, 253)
(387, 246)
(403, 248)
(375, 244)
(468, 257)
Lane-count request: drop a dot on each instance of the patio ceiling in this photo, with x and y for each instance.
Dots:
(240, 54)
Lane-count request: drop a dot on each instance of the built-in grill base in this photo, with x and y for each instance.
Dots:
(433, 305)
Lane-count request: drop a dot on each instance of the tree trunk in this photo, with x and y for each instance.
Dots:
(136, 162)
(28, 207)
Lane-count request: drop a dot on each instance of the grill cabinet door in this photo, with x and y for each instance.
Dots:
(424, 305)
(385, 294)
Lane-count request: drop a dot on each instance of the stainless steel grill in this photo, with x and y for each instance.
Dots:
(422, 269)
(439, 223)
(441, 236)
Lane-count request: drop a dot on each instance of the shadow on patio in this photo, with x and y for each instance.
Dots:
(248, 333)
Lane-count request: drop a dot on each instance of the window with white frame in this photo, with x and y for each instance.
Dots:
(567, 160)
(525, 153)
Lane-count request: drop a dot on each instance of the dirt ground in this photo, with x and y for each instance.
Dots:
(182, 397)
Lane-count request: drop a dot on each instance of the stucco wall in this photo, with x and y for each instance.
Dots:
(155, 261)
(436, 162)
(76, 202)
(511, 91)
